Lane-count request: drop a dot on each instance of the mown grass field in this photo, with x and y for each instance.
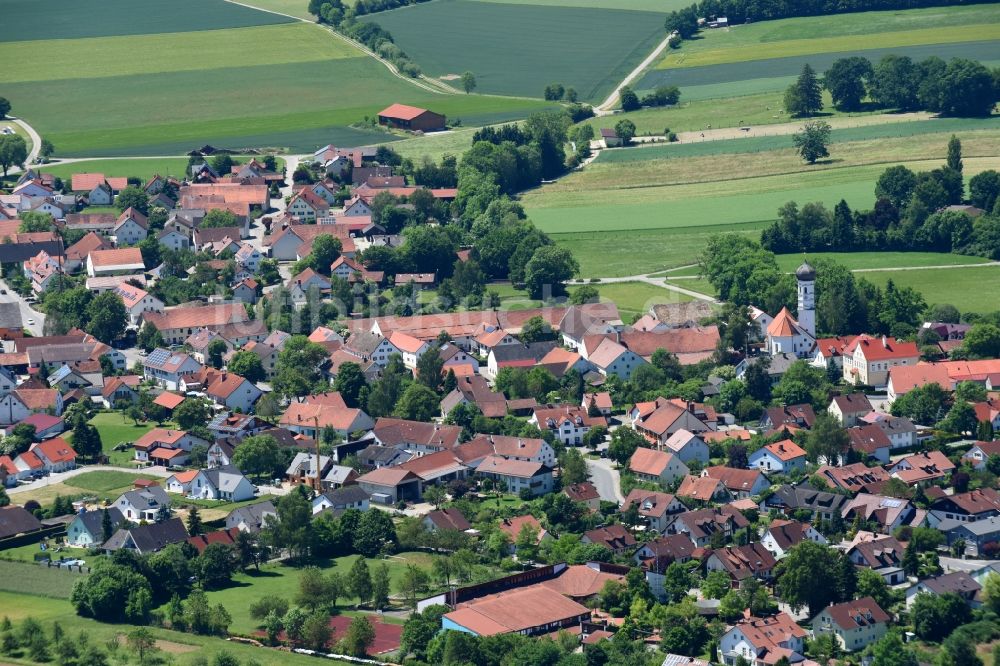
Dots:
(518, 49)
(970, 289)
(142, 168)
(662, 6)
(837, 33)
(184, 649)
(283, 581)
(36, 579)
(880, 260)
(77, 19)
(270, 83)
(295, 8)
(114, 430)
(634, 298)
(102, 484)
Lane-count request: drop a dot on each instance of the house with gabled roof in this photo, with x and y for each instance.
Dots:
(225, 483)
(855, 478)
(967, 507)
(922, 468)
(854, 624)
(55, 454)
(703, 489)
(794, 416)
(22, 402)
(871, 442)
(781, 457)
(512, 528)
(763, 641)
(656, 555)
(568, 423)
(147, 538)
(613, 358)
(656, 508)
(87, 528)
(251, 518)
(338, 500)
(517, 475)
(585, 493)
(741, 483)
(137, 301)
(957, 582)
(752, 560)
(166, 367)
(658, 420)
(702, 524)
(868, 360)
(789, 499)
(131, 227)
(687, 446)
(446, 519)
(614, 537)
(142, 505)
(782, 535)
(848, 409)
(656, 466)
(882, 554)
(122, 261)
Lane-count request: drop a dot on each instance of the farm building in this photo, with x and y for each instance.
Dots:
(412, 118)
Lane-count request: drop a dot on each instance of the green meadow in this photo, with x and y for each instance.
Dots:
(661, 6)
(867, 261)
(518, 49)
(970, 289)
(142, 168)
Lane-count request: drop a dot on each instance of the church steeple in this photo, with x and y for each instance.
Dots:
(806, 277)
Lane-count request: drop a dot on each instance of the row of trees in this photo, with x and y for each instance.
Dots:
(661, 96)
(959, 87)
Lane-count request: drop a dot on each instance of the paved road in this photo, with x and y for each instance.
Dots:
(606, 479)
(950, 564)
(607, 105)
(27, 314)
(36, 141)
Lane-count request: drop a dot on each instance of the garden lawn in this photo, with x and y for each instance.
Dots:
(283, 581)
(185, 649)
(970, 289)
(37, 579)
(518, 49)
(837, 33)
(701, 285)
(114, 429)
(107, 481)
(76, 19)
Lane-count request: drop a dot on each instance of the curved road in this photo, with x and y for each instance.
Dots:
(36, 142)
(605, 107)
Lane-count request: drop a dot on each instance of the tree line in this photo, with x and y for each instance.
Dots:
(959, 87)
(344, 18)
(909, 214)
(685, 21)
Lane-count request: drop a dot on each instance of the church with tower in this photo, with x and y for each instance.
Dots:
(788, 335)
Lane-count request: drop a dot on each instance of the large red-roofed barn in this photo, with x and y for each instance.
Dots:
(411, 118)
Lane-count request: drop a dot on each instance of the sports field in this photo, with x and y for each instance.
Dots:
(291, 86)
(518, 49)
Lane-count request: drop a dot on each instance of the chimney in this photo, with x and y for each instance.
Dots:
(885, 342)
(690, 406)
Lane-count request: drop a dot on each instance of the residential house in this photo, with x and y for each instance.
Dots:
(958, 582)
(849, 408)
(232, 391)
(614, 537)
(579, 322)
(599, 401)
(251, 518)
(175, 324)
(870, 441)
(656, 466)
(247, 260)
(225, 483)
(168, 439)
(883, 555)
(517, 476)
(656, 555)
(491, 337)
(87, 528)
(446, 519)
(518, 355)
(790, 500)
(512, 527)
(308, 205)
(415, 436)
(143, 505)
(147, 538)
(868, 360)
(855, 478)
(830, 352)
(788, 416)
(302, 469)
(180, 483)
(131, 227)
(15, 520)
(411, 348)
(855, 624)
(339, 476)
(781, 457)
(310, 419)
(166, 367)
(752, 560)
(702, 525)
(55, 454)
(22, 402)
(763, 641)
(585, 493)
(656, 508)
(975, 535)
(782, 535)
(246, 290)
(687, 446)
(366, 346)
(922, 468)
(967, 507)
(703, 489)
(340, 499)
(901, 431)
(661, 418)
(741, 483)
(613, 358)
(568, 423)
(137, 301)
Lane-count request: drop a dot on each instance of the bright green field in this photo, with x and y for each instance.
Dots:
(969, 289)
(289, 86)
(115, 430)
(838, 33)
(184, 649)
(869, 260)
(106, 481)
(291, 7)
(518, 49)
(637, 297)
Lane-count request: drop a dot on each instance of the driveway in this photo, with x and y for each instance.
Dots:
(606, 479)
(950, 564)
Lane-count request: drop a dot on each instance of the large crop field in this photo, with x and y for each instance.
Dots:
(764, 56)
(518, 49)
(274, 83)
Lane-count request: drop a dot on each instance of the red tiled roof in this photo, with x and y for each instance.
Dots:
(55, 450)
(168, 400)
(402, 112)
(225, 537)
